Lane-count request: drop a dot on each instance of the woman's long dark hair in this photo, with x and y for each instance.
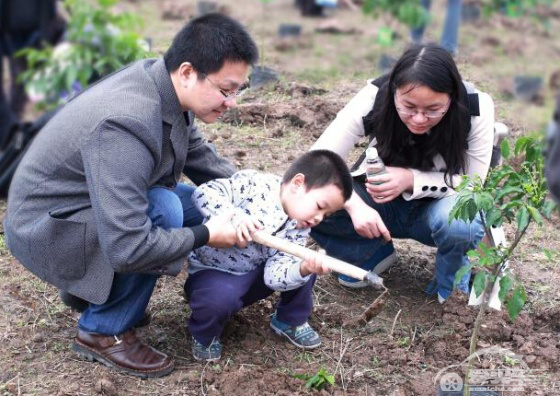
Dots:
(433, 67)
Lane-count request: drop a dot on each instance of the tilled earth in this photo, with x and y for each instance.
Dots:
(402, 350)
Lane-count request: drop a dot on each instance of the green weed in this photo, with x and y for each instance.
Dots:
(317, 381)
(403, 342)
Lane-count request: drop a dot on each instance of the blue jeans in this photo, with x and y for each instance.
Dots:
(131, 292)
(450, 33)
(425, 220)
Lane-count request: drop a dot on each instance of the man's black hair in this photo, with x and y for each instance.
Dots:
(321, 168)
(208, 42)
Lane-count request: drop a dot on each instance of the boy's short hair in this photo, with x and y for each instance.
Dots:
(207, 42)
(321, 168)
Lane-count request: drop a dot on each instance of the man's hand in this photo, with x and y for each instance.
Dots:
(393, 184)
(222, 232)
(313, 264)
(366, 220)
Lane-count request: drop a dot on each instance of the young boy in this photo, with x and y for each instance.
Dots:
(223, 281)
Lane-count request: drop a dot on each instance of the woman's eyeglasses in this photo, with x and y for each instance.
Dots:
(229, 95)
(428, 114)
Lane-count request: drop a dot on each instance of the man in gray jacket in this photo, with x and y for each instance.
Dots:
(96, 208)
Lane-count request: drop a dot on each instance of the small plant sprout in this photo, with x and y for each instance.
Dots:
(403, 342)
(318, 381)
(509, 361)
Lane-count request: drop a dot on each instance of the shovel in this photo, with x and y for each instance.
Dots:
(333, 264)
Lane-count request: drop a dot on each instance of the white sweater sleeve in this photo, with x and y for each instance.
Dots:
(479, 153)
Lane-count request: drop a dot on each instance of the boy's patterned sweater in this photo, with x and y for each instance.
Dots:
(250, 193)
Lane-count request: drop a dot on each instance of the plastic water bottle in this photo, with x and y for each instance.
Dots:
(374, 164)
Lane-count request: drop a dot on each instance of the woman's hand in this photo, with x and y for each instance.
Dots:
(393, 184)
(366, 220)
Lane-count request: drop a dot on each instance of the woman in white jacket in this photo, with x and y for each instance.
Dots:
(429, 127)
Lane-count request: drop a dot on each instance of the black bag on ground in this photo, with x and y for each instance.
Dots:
(15, 147)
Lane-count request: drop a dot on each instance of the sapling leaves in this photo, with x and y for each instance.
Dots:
(537, 217)
(461, 272)
(98, 41)
(514, 194)
(470, 211)
(479, 282)
(483, 201)
(522, 218)
(515, 303)
(494, 217)
(506, 284)
(504, 148)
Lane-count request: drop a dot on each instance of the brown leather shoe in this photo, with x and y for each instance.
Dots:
(125, 353)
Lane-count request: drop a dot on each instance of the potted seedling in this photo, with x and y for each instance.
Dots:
(98, 42)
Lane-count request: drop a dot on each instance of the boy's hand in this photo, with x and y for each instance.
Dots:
(245, 227)
(314, 264)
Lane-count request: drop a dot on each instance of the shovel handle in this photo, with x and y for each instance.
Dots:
(342, 267)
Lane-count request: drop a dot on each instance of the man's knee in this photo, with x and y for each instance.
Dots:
(165, 208)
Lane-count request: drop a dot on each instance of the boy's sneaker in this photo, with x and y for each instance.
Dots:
(209, 353)
(302, 336)
(379, 262)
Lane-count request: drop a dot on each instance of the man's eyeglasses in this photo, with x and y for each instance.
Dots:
(229, 95)
(427, 114)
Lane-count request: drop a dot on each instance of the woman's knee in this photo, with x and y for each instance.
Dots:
(165, 208)
(467, 233)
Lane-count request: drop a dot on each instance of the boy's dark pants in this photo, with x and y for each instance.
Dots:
(215, 296)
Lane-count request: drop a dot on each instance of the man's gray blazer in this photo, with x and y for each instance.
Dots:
(78, 201)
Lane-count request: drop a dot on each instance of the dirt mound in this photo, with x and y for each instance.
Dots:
(303, 106)
(535, 339)
(255, 381)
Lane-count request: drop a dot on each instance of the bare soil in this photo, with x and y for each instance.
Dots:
(402, 349)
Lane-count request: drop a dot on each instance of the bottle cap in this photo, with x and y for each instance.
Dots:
(371, 153)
